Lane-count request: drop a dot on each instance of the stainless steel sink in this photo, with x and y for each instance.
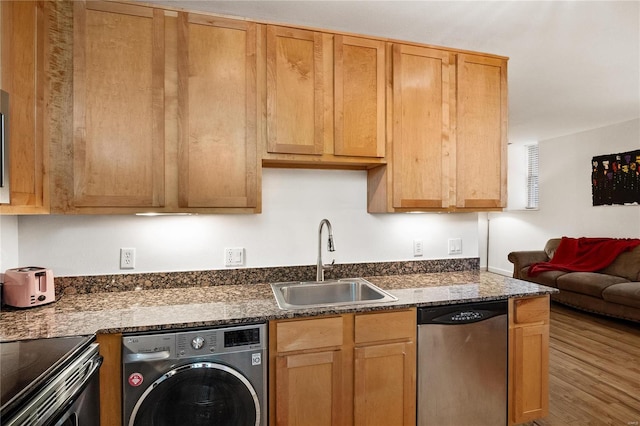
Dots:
(311, 294)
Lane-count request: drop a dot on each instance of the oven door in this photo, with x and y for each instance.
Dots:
(201, 393)
(73, 389)
(84, 408)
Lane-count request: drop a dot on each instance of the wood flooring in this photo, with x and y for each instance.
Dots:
(594, 370)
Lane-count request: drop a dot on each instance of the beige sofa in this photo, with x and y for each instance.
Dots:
(612, 291)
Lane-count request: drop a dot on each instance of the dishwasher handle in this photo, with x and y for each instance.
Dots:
(461, 314)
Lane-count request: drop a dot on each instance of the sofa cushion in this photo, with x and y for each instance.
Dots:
(627, 294)
(547, 278)
(626, 265)
(591, 283)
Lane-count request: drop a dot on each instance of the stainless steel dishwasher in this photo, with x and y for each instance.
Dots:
(462, 365)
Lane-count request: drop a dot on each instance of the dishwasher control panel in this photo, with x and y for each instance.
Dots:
(467, 316)
(461, 314)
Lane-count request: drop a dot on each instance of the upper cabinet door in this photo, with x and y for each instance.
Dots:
(218, 164)
(421, 127)
(118, 105)
(481, 147)
(23, 78)
(359, 96)
(295, 91)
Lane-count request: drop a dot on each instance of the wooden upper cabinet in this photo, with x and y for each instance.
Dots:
(23, 29)
(359, 108)
(325, 99)
(217, 151)
(481, 146)
(154, 110)
(118, 105)
(421, 127)
(295, 91)
(164, 112)
(449, 133)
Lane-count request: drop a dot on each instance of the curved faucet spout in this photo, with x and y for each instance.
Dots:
(321, 267)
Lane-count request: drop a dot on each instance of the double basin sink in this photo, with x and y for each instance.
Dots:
(314, 294)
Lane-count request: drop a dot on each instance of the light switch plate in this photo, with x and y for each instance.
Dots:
(417, 248)
(455, 245)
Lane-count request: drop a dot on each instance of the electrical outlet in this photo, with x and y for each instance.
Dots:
(417, 247)
(127, 258)
(234, 256)
(455, 245)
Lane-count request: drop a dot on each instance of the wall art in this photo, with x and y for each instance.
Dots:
(615, 179)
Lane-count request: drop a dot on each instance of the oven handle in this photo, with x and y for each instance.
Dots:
(96, 363)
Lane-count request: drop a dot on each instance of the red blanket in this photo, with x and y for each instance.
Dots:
(584, 254)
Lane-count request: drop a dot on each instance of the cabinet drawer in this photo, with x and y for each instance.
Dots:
(385, 326)
(308, 334)
(531, 310)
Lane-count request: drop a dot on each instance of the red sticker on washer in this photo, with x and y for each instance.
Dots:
(136, 379)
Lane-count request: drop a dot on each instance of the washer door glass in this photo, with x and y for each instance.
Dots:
(198, 394)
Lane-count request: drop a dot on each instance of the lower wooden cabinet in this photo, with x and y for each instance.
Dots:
(344, 370)
(385, 368)
(307, 366)
(528, 359)
(309, 387)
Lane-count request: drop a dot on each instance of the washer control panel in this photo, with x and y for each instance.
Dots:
(195, 343)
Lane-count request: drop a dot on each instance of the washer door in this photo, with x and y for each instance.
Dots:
(203, 393)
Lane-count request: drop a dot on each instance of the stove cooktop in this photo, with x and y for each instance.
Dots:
(28, 365)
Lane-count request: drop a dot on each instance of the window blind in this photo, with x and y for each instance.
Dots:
(532, 176)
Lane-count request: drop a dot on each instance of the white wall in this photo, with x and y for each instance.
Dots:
(294, 202)
(565, 197)
(517, 177)
(8, 242)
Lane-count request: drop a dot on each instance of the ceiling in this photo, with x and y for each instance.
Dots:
(574, 65)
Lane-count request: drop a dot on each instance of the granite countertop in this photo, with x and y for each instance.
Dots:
(160, 309)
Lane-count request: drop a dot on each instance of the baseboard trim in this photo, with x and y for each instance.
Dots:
(505, 272)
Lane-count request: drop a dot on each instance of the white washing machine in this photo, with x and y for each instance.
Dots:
(214, 376)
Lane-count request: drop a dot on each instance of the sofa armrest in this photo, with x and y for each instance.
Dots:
(522, 259)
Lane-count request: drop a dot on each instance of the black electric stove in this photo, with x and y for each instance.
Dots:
(29, 367)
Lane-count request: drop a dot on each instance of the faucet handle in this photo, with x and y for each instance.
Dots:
(329, 265)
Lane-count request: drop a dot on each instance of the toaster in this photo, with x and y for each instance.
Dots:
(28, 286)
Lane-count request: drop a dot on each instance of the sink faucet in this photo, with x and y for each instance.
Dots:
(330, 247)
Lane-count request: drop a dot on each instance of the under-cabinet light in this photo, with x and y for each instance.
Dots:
(165, 214)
